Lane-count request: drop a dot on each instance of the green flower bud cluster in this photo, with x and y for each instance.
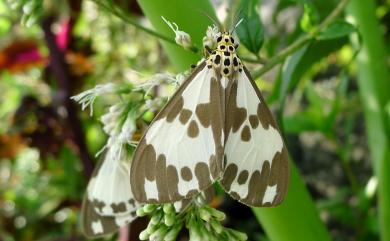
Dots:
(164, 225)
(32, 10)
(202, 221)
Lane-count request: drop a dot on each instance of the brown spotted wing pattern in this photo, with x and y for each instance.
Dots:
(216, 127)
(256, 159)
(105, 214)
(181, 153)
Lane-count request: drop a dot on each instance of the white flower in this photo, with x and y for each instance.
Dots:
(127, 130)
(119, 133)
(87, 98)
(110, 120)
(210, 40)
(180, 79)
(153, 104)
(115, 150)
(157, 79)
(181, 38)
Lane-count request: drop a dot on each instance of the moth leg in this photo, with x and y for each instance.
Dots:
(207, 51)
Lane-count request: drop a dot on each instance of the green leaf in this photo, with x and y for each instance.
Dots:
(288, 70)
(301, 61)
(5, 26)
(337, 29)
(308, 120)
(250, 31)
(72, 178)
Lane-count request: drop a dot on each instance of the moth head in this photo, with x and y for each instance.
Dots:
(226, 39)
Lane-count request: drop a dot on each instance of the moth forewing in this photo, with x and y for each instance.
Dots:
(181, 152)
(256, 158)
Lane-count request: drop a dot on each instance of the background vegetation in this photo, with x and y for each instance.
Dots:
(322, 65)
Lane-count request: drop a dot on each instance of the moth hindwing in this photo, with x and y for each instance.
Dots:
(108, 203)
(216, 127)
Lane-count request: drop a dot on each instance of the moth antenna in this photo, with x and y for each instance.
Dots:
(215, 22)
(237, 24)
(234, 18)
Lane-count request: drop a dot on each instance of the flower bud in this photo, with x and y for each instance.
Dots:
(216, 226)
(182, 38)
(210, 40)
(168, 208)
(149, 208)
(159, 234)
(141, 212)
(169, 219)
(173, 232)
(156, 218)
(215, 213)
(204, 214)
(236, 235)
(151, 228)
(144, 235)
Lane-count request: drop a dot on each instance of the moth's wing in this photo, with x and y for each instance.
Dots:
(108, 203)
(110, 190)
(181, 153)
(95, 225)
(256, 159)
(204, 197)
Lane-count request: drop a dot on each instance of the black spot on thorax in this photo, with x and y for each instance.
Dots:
(217, 59)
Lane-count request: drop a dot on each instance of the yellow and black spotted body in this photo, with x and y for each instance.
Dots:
(224, 58)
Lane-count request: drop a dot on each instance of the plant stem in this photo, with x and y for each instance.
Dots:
(373, 80)
(272, 62)
(127, 19)
(59, 70)
(189, 15)
(258, 60)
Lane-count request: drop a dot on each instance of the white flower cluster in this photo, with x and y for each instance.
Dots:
(153, 104)
(87, 98)
(156, 80)
(120, 124)
(120, 120)
(210, 40)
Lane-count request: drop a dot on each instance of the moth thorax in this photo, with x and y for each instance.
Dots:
(225, 62)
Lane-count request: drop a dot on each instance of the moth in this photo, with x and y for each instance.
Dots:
(108, 203)
(216, 127)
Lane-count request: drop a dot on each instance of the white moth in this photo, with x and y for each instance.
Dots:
(216, 127)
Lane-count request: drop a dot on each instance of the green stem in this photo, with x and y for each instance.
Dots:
(374, 85)
(120, 14)
(257, 60)
(189, 15)
(272, 62)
